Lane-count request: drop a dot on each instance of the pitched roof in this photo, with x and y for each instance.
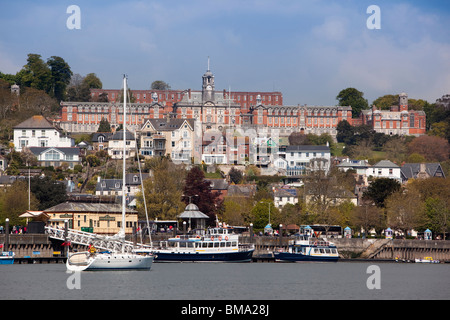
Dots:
(118, 135)
(308, 148)
(65, 150)
(385, 164)
(410, 170)
(35, 122)
(88, 207)
(170, 124)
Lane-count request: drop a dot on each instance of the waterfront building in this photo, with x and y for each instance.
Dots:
(99, 218)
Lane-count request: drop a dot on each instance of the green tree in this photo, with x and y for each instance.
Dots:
(386, 101)
(262, 212)
(404, 211)
(235, 175)
(354, 98)
(163, 190)
(61, 74)
(438, 213)
(48, 192)
(92, 81)
(237, 210)
(380, 189)
(159, 85)
(104, 126)
(14, 202)
(345, 132)
(36, 74)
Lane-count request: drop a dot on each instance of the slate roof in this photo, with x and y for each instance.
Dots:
(35, 122)
(308, 148)
(170, 125)
(410, 170)
(88, 207)
(385, 164)
(65, 150)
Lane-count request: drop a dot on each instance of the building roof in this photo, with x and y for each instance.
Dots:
(192, 212)
(170, 124)
(280, 192)
(411, 170)
(118, 135)
(35, 122)
(88, 207)
(308, 148)
(65, 150)
(385, 164)
(218, 184)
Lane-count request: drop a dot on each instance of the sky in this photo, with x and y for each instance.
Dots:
(308, 50)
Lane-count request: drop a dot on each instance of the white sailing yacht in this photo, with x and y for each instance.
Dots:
(107, 260)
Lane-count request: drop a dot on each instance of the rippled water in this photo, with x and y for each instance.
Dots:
(230, 281)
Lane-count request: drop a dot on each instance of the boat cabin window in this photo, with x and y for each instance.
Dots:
(210, 244)
(228, 244)
(216, 244)
(222, 244)
(234, 243)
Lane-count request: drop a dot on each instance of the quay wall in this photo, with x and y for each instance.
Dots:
(41, 246)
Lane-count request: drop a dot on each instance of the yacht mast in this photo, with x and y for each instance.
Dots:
(124, 152)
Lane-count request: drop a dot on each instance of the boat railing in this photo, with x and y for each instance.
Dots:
(319, 243)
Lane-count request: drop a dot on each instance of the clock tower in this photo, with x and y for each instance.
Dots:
(208, 86)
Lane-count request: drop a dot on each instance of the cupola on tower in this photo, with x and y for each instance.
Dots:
(208, 86)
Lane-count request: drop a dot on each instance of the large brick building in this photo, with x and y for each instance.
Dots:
(397, 120)
(213, 109)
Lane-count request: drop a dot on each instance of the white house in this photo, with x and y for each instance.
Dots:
(115, 146)
(385, 169)
(302, 159)
(37, 131)
(55, 157)
(360, 166)
(285, 196)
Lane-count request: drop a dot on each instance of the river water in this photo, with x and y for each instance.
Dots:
(231, 281)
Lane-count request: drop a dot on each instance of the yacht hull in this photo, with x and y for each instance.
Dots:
(297, 257)
(110, 261)
(167, 256)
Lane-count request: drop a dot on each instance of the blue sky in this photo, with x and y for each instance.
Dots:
(308, 50)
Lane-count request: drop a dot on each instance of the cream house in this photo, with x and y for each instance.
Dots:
(168, 137)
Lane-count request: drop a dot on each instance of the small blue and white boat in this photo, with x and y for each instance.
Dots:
(307, 247)
(217, 245)
(7, 257)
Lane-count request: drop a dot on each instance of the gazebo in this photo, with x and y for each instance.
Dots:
(194, 216)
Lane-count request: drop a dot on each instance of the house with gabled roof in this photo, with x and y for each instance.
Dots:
(115, 145)
(56, 156)
(168, 137)
(384, 169)
(421, 171)
(38, 131)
